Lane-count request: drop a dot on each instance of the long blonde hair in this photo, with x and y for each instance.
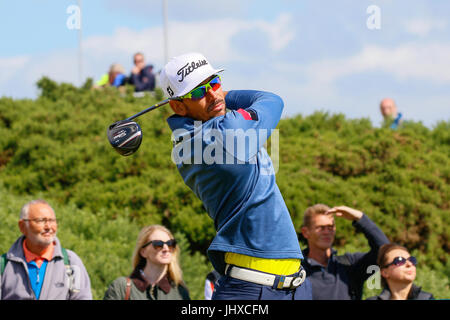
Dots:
(174, 269)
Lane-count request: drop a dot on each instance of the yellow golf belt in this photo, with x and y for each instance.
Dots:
(274, 266)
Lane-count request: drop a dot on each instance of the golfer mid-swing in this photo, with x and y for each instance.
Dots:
(256, 248)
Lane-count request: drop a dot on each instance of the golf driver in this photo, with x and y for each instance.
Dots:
(125, 136)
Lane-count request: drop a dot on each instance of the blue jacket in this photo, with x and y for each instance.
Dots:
(239, 191)
(144, 81)
(344, 276)
(416, 293)
(397, 122)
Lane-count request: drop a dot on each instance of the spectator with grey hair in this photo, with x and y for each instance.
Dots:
(36, 267)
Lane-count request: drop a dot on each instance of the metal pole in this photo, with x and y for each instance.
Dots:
(166, 37)
(80, 50)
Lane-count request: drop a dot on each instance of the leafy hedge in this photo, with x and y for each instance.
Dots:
(55, 147)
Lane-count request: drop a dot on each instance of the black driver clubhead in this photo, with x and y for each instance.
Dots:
(125, 136)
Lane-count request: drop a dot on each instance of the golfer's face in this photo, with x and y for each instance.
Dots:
(210, 106)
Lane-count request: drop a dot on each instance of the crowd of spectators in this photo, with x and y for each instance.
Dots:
(141, 76)
(37, 267)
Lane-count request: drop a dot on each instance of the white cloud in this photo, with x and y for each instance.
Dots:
(279, 32)
(427, 62)
(11, 66)
(315, 86)
(181, 9)
(305, 86)
(422, 27)
(211, 37)
(59, 66)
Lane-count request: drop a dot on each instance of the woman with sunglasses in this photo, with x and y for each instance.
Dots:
(398, 272)
(156, 271)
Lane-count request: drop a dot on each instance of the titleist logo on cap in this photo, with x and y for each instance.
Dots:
(183, 73)
(189, 68)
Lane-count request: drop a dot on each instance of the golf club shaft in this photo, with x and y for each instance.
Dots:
(159, 104)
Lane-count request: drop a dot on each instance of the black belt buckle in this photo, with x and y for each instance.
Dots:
(297, 281)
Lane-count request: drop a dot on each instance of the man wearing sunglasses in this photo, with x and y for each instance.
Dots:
(256, 248)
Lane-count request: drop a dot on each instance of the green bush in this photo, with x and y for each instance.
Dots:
(104, 244)
(55, 147)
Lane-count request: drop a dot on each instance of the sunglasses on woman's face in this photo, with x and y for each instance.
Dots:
(158, 244)
(399, 261)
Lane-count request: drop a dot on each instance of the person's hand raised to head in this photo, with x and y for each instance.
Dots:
(346, 213)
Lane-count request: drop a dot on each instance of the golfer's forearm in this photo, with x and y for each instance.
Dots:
(267, 106)
(257, 100)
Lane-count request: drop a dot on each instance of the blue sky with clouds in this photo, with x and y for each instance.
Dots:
(317, 55)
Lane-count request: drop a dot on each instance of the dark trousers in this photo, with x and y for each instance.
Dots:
(234, 289)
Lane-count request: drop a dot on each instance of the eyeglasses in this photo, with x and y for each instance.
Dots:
(158, 244)
(42, 221)
(200, 92)
(399, 261)
(325, 228)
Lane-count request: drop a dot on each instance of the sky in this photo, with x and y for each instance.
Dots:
(335, 56)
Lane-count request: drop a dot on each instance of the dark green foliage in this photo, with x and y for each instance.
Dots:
(56, 148)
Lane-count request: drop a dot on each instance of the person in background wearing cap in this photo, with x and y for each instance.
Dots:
(142, 77)
(37, 267)
(392, 117)
(256, 248)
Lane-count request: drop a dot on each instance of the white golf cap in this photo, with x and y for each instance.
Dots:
(183, 73)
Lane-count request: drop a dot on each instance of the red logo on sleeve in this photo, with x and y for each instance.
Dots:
(245, 114)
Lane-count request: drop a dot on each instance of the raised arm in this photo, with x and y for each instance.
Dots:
(255, 114)
(265, 108)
